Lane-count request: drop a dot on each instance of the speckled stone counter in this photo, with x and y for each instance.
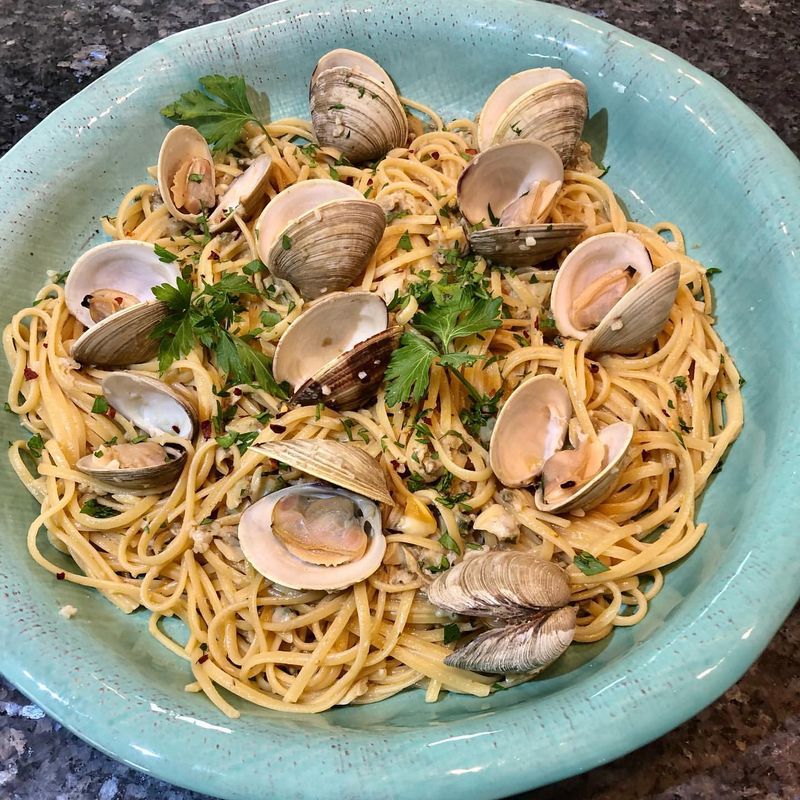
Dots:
(745, 745)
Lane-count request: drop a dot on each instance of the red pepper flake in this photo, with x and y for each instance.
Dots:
(118, 300)
(276, 428)
(471, 151)
(526, 334)
(536, 323)
(203, 658)
(60, 576)
(30, 374)
(176, 428)
(237, 391)
(593, 368)
(213, 256)
(435, 154)
(568, 484)
(369, 181)
(398, 467)
(111, 413)
(44, 344)
(205, 428)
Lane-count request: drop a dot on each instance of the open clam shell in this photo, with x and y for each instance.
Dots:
(530, 427)
(528, 646)
(133, 269)
(616, 439)
(270, 556)
(545, 104)
(355, 108)
(503, 584)
(638, 316)
(186, 173)
(244, 195)
(343, 465)
(319, 235)
(155, 408)
(495, 183)
(336, 352)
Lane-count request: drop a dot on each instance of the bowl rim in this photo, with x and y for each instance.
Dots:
(506, 771)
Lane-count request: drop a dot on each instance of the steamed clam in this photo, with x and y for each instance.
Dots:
(318, 536)
(319, 235)
(506, 194)
(528, 443)
(355, 108)
(152, 406)
(545, 104)
(607, 293)
(526, 597)
(110, 290)
(187, 184)
(336, 352)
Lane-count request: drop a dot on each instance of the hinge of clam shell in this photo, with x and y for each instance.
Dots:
(110, 290)
(527, 443)
(336, 352)
(187, 183)
(318, 536)
(319, 235)
(355, 107)
(526, 597)
(506, 194)
(157, 409)
(545, 104)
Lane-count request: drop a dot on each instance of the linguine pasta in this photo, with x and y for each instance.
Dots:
(176, 554)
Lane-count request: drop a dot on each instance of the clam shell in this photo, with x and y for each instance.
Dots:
(353, 379)
(245, 193)
(527, 646)
(530, 427)
(513, 246)
(336, 352)
(639, 316)
(355, 108)
(617, 439)
(319, 235)
(544, 104)
(123, 338)
(155, 408)
(271, 558)
(344, 465)
(181, 143)
(143, 479)
(503, 584)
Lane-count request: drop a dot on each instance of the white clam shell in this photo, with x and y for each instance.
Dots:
(270, 557)
(181, 144)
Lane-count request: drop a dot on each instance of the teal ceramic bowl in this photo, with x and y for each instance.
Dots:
(680, 147)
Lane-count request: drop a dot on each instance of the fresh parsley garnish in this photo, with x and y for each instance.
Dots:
(253, 267)
(204, 317)
(442, 566)
(405, 242)
(36, 445)
(100, 405)
(241, 440)
(408, 373)
(142, 437)
(164, 255)
(449, 543)
(680, 383)
(393, 215)
(452, 633)
(94, 509)
(588, 564)
(219, 113)
(713, 271)
(721, 395)
(492, 218)
(286, 242)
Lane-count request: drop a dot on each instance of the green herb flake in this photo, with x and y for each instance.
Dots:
(142, 437)
(318, 412)
(680, 383)
(94, 509)
(347, 424)
(100, 405)
(36, 445)
(447, 541)
(253, 267)
(195, 177)
(452, 633)
(164, 255)
(405, 242)
(393, 215)
(336, 107)
(269, 319)
(721, 396)
(442, 566)
(588, 564)
(286, 242)
(712, 271)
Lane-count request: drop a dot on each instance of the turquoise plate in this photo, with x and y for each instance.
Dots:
(680, 147)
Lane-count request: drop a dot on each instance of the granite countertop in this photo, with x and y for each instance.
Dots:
(745, 745)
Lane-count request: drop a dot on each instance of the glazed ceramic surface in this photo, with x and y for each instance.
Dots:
(679, 147)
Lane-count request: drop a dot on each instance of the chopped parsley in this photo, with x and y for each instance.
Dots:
(94, 509)
(36, 445)
(405, 242)
(680, 383)
(452, 633)
(241, 440)
(100, 405)
(164, 255)
(588, 564)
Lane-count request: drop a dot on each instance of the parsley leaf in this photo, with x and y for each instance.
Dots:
(405, 242)
(100, 405)
(452, 633)
(219, 113)
(680, 383)
(164, 255)
(461, 316)
(408, 373)
(588, 564)
(94, 509)
(449, 543)
(36, 445)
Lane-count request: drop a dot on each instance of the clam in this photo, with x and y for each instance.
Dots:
(355, 108)
(187, 185)
(319, 235)
(509, 190)
(525, 596)
(317, 536)
(152, 406)
(607, 292)
(336, 352)
(110, 290)
(528, 443)
(545, 104)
